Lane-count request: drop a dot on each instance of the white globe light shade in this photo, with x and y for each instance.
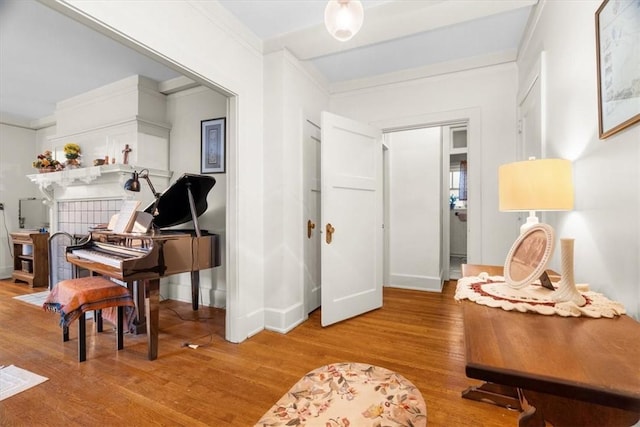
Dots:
(343, 18)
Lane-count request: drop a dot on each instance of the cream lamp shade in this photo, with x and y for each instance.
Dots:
(343, 18)
(536, 185)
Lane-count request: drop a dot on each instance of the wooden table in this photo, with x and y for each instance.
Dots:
(568, 371)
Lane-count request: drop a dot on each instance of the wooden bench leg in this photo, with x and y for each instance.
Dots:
(82, 338)
(65, 333)
(97, 317)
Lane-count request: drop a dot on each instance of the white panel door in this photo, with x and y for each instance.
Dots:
(351, 212)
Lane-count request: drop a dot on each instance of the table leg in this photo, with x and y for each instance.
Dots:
(152, 311)
(496, 394)
(137, 291)
(565, 412)
(530, 416)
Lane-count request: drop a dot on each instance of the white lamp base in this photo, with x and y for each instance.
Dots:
(532, 220)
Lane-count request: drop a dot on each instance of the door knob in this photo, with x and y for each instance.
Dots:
(310, 227)
(330, 230)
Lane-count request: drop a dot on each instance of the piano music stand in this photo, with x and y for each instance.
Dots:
(184, 200)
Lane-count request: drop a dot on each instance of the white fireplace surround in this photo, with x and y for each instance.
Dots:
(130, 113)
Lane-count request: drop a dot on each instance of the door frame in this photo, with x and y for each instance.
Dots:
(309, 303)
(473, 118)
(386, 230)
(446, 129)
(536, 79)
(534, 93)
(234, 330)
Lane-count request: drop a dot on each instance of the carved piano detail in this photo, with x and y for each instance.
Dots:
(143, 259)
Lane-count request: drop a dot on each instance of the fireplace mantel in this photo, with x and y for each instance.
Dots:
(95, 182)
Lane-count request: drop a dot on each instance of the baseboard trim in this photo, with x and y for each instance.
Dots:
(415, 282)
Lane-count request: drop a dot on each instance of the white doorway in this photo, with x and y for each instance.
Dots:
(428, 234)
(414, 220)
(313, 228)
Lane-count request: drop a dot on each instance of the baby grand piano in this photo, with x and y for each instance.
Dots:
(141, 260)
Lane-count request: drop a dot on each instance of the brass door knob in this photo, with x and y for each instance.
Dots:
(330, 230)
(310, 227)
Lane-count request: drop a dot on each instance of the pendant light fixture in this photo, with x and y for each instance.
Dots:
(343, 18)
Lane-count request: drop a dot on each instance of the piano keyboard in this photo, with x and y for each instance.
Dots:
(108, 254)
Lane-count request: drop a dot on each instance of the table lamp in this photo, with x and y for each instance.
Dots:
(133, 184)
(535, 185)
(542, 185)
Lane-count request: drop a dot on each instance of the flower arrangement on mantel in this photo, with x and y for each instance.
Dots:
(72, 153)
(46, 163)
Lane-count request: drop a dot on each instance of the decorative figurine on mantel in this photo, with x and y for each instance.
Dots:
(126, 152)
(72, 153)
(46, 163)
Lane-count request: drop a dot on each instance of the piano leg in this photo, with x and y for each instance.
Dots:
(195, 289)
(137, 290)
(152, 312)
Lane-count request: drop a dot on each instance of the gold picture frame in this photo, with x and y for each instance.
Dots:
(618, 56)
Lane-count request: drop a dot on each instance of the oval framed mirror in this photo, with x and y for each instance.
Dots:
(529, 256)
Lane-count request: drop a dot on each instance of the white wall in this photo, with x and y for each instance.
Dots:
(17, 151)
(292, 95)
(185, 111)
(414, 219)
(604, 221)
(488, 96)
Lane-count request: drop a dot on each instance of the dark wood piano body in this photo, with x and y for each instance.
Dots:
(162, 253)
(141, 260)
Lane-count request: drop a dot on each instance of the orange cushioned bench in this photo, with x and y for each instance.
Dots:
(74, 297)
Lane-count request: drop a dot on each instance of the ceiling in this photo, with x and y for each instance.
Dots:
(46, 57)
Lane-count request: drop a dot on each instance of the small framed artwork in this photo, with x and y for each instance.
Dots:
(618, 56)
(212, 156)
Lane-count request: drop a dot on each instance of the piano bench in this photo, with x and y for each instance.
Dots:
(74, 297)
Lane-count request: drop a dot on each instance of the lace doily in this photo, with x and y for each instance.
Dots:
(492, 291)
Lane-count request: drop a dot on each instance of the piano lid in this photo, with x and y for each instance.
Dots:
(173, 204)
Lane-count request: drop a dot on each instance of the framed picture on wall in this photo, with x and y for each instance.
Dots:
(212, 156)
(618, 56)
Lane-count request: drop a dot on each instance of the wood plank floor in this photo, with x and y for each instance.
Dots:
(418, 334)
